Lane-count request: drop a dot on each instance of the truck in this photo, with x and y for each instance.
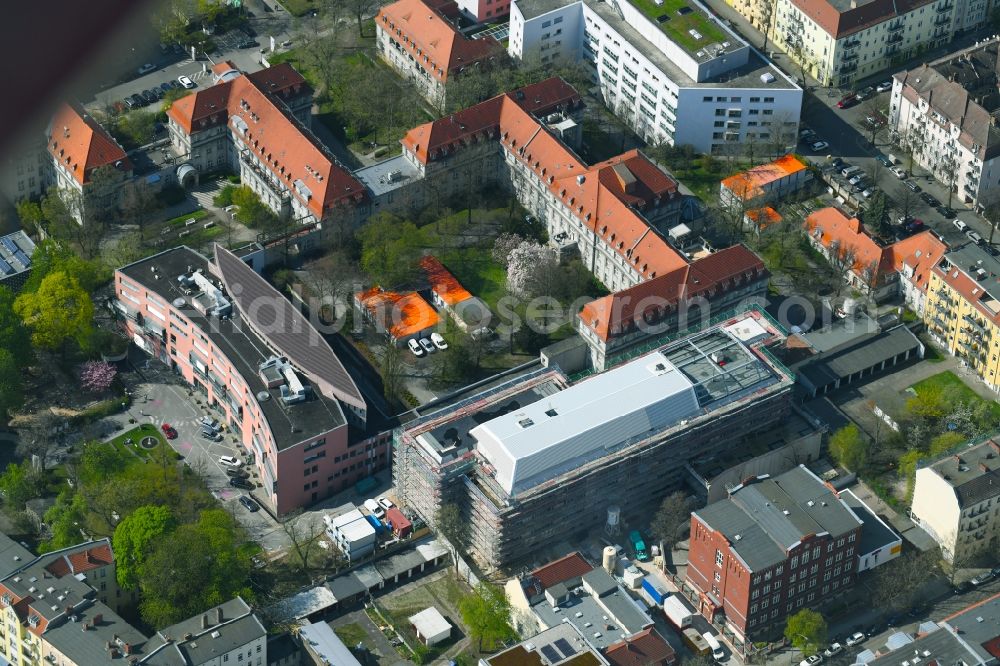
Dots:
(677, 612)
(713, 643)
(695, 641)
(655, 591)
(638, 545)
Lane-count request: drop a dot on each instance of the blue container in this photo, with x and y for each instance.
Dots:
(656, 593)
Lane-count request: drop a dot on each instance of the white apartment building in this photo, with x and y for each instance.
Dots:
(957, 501)
(840, 41)
(946, 113)
(677, 77)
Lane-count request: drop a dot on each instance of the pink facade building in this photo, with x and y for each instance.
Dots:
(261, 367)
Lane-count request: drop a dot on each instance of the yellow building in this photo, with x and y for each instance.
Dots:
(962, 314)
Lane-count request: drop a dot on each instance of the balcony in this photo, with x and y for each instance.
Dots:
(890, 50)
(947, 7)
(852, 43)
(895, 25)
(849, 57)
(848, 68)
(942, 20)
(976, 326)
(895, 38)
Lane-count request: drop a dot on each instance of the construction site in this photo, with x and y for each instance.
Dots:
(540, 458)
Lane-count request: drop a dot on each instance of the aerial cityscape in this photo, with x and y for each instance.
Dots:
(500, 333)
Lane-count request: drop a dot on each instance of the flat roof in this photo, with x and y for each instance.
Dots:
(875, 533)
(941, 647)
(322, 641)
(841, 332)
(15, 254)
(289, 423)
(867, 352)
(547, 648)
(611, 617)
(388, 175)
(979, 627)
(429, 622)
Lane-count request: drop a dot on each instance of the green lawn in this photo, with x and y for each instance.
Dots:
(299, 7)
(678, 25)
(443, 593)
(181, 219)
(352, 634)
(137, 434)
(948, 380)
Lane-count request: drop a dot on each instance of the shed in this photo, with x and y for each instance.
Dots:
(400, 524)
(430, 625)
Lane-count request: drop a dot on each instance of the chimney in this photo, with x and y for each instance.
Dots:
(97, 619)
(85, 626)
(218, 614)
(204, 621)
(127, 648)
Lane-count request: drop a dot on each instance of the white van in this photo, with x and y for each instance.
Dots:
(717, 652)
(850, 171)
(374, 508)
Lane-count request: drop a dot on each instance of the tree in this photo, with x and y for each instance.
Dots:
(251, 211)
(40, 435)
(390, 247)
(875, 215)
(30, 214)
(304, 537)
(59, 312)
(391, 369)
(944, 442)
(97, 376)
(673, 518)
(503, 246)
(11, 385)
(138, 200)
(908, 469)
(135, 128)
(20, 483)
(531, 268)
(486, 613)
(849, 448)
(52, 255)
(65, 519)
(875, 119)
(843, 259)
(806, 630)
(929, 403)
(896, 587)
(135, 538)
(126, 250)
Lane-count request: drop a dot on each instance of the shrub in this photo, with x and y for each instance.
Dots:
(225, 197)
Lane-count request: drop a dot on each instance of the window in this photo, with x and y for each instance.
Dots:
(718, 576)
(706, 99)
(557, 19)
(768, 100)
(736, 99)
(816, 552)
(754, 100)
(840, 543)
(547, 24)
(719, 123)
(755, 594)
(767, 588)
(777, 584)
(850, 551)
(780, 570)
(829, 547)
(805, 556)
(768, 112)
(718, 558)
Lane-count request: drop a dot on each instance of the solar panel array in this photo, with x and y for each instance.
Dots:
(551, 654)
(9, 244)
(564, 647)
(5, 267)
(12, 258)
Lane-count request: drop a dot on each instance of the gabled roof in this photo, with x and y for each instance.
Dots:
(563, 569)
(82, 561)
(422, 29)
(750, 184)
(400, 314)
(443, 283)
(841, 19)
(764, 217)
(80, 145)
(718, 272)
(641, 649)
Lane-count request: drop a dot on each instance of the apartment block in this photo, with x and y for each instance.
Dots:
(259, 365)
(681, 77)
(841, 41)
(962, 313)
(485, 11)
(421, 40)
(956, 499)
(531, 461)
(257, 125)
(229, 633)
(775, 546)
(946, 113)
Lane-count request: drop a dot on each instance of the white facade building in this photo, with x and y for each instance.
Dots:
(352, 533)
(957, 501)
(683, 79)
(945, 112)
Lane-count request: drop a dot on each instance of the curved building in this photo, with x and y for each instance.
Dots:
(260, 366)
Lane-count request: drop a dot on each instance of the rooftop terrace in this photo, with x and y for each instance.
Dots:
(684, 22)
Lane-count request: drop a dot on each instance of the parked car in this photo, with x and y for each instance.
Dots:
(993, 252)
(168, 431)
(874, 119)
(945, 211)
(427, 345)
(230, 461)
(385, 503)
(986, 576)
(129, 104)
(884, 86)
(977, 239)
(149, 96)
(438, 341)
(930, 199)
(865, 93)
(165, 86)
(137, 100)
(855, 639)
(912, 186)
(962, 587)
(250, 503)
(241, 483)
(848, 101)
(235, 472)
(867, 192)
(884, 160)
(898, 173)
(811, 661)
(960, 225)
(185, 81)
(849, 171)
(208, 422)
(374, 508)
(204, 433)
(818, 146)
(833, 650)
(838, 163)
(415, 347)
(913, 226)
(147, 68)
(855, 179)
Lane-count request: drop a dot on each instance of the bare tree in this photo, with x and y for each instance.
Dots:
(912, 143)
(304, 535)
(946, 169)
(896, 587)
(40, 436)
(842, 258)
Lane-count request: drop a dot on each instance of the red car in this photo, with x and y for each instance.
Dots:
(169, 431)
(848, 101)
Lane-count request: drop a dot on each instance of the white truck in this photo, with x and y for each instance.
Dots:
(677, 612)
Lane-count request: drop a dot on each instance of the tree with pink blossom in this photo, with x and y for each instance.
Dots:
(97, 376)
(531, 269)
(503, 246)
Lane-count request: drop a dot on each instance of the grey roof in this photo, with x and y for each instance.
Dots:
(286, 328)
(973, 472)
(874, 532)
(600, 581)
(369, 576)
(962, 87)
(322, 641)
(301, 605)
(942, 647)
(290, 424)
(399, 563)
(979, 625)
(866, 353)
(780, 510)
(90, 647)
(347, 586)
(377, 176)
(217, 631)
(13, 555)
(624, 617)
(840, 333)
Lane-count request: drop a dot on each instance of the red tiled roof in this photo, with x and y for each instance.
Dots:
(273, 135)
(81, 561)
(842, 23)
(920, 252)
(749, 184)
(614, 314)
(642, 649)
(422, 28)
(443, 283)
(764, 217)
(402, 315)
(80, 144)
(569, 566)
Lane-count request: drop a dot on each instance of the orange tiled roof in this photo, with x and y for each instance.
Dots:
(443, 283)
(81, 561)
(967, 288)
(764, 217)
(422, 28)
(80, 144)
(566, 567)
(749, 184)
(920, 252)
(615, 314)
(273, 135)
(402, 315)
(641, 649)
